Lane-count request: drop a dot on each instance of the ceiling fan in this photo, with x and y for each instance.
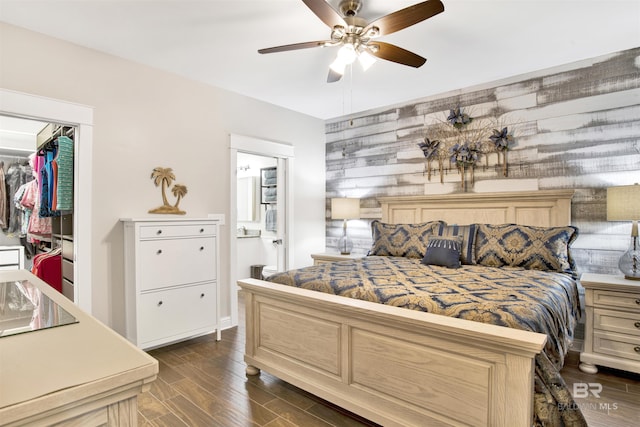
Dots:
(357, 37)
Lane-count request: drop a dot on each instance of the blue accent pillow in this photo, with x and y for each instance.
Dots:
(443, 251)
(468, 234)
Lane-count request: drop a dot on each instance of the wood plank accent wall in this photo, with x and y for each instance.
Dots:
(577, 126)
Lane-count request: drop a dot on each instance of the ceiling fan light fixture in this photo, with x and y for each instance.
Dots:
(338, 66)
(338, 32)
(347, 54)
(371, 32)
(366, 60)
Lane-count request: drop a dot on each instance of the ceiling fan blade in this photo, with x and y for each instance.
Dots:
(295, 46)
(325, 12)
(406, 17)
(397, 54)
(333, 76)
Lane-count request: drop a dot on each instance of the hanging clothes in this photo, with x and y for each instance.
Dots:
(4, 218)
(47, 184)
(64, 182)
(17, 176)
(38, 228)
(48, 267)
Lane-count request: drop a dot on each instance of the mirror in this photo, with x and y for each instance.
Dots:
(246, 195)
(25, 308)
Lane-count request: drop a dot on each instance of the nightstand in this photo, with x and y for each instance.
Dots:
(333, 257)
(612, 330)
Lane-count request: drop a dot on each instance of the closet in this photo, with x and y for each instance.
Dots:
(54, 261)
(38, 200)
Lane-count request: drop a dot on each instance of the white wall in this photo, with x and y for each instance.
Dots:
(145, 118)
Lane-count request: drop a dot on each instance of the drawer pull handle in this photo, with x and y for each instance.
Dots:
(201, 295)
(159, 251)
(636, 349)
(638, 301)
(202, 230)
(159, 303)
(202, 248)
(637, 325)
(159, 232)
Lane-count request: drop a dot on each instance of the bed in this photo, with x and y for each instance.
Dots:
(441, 362)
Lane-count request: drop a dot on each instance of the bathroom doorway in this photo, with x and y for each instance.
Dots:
(260, 188)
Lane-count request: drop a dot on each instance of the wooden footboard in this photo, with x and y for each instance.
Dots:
(393, 366)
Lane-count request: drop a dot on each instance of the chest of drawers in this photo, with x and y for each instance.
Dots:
(11, 257)
(612, 327)
(171, 279)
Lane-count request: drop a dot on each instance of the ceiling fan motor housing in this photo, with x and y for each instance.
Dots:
(350, 7)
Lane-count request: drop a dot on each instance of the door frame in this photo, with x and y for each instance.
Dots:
(267, 148)
(28, 106)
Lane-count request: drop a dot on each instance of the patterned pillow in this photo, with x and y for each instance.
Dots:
(534, 248)
(404, 240)
(443, 251)
(468, 234)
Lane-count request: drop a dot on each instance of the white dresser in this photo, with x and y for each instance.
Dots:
(171, 279)
(11, 257)
(612, 329)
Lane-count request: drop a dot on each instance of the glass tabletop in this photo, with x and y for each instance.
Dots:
(25, 308)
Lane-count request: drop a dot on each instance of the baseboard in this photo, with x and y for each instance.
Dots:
(225, 323)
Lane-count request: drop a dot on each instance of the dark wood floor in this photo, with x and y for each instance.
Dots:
(203, 383)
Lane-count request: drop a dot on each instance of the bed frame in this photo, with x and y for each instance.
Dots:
(401, 367)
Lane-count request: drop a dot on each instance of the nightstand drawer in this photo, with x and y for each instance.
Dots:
(616, 321)
(617, 345)
(616, 299)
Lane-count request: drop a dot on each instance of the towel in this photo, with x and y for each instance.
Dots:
(271, 220)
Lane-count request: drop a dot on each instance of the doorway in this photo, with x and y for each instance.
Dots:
(271, 164)
(26, 106)
(33, 226)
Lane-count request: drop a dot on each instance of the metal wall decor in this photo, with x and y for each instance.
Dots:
(460, 141)
(163, 177)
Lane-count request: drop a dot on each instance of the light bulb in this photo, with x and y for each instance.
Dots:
(347, 54)
(366, 60)
(338, 66)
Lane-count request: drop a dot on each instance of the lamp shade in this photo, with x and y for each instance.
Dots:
(623, 203)
(345, 208)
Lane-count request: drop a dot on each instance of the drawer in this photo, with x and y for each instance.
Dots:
(168, 231)
(67, 289)
(616, 321)
(176, 312)
(67, 270)
(618, 345)
(67, 249)
(165, 263)
(10, 257)
(616, 299)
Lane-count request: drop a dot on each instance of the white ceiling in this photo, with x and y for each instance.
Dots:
(216, 42)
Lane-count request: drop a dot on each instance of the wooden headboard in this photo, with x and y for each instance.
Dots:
(544, 208)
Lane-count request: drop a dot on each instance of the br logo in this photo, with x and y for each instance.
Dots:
(582, 390)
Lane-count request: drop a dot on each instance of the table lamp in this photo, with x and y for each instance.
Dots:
(623, 204)
(345, 208)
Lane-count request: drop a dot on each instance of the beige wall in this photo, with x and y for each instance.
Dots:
(145, 118)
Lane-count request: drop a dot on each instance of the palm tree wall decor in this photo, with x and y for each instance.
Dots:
(163, 177)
